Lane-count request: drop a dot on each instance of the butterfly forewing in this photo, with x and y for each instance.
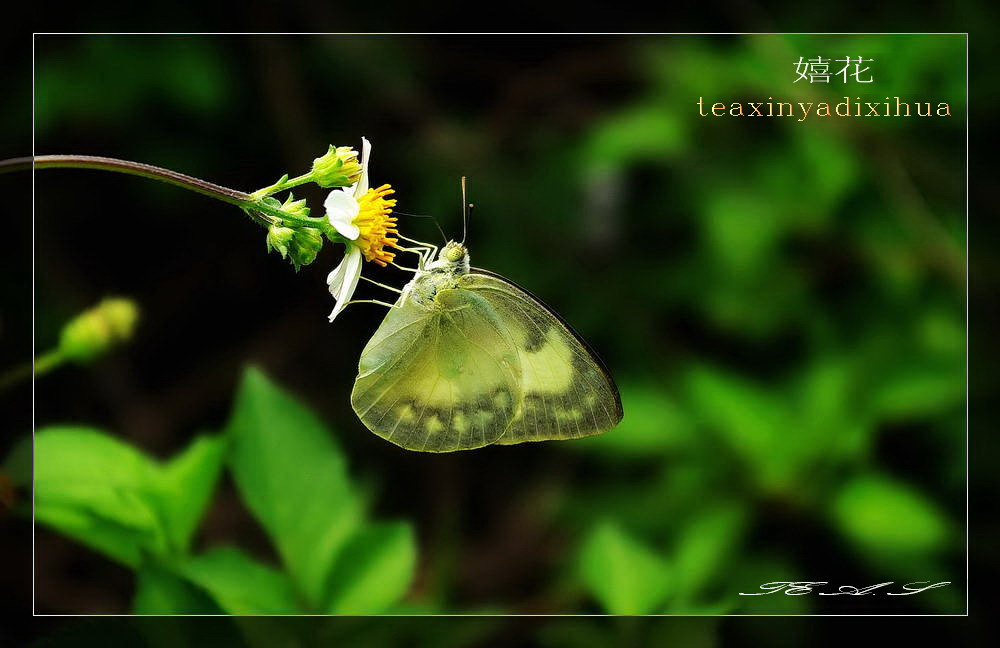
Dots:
(565, 391)
(439, 379)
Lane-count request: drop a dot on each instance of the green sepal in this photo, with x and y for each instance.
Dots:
(305, 245)
(279, 238)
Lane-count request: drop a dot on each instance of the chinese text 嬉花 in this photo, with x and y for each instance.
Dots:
(818, 69)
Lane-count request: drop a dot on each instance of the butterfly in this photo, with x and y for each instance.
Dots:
(466, 358)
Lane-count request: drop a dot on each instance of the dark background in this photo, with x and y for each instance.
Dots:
(694, 255)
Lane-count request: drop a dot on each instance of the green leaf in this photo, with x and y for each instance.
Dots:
(160, 591)
(294, 479)
(751, 421)
(374, 570)
(188, 482)
(97, 490)
(705, 547)
(241, 585)
(918, 390)
(116, 500)
(743, 251)
(887, 517)
(119, 542)
(631, 136)
(624, 575)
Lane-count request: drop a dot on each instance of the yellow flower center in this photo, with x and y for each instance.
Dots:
(376, 225)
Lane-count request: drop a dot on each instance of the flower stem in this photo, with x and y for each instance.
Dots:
(278, 187)
(225, 194)
(42, 365)
(252, 204)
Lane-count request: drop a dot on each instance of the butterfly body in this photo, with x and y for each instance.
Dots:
(467, 359)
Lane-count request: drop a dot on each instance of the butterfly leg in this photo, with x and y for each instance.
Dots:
(396, 265)
(381, 285)
(427, 250)
(419, 244)
(422, 253)
(371, 301)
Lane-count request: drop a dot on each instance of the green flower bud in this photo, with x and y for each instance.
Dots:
(279, 238)
(305, 245)
(338, 167)
(94, 331)
(295, 207)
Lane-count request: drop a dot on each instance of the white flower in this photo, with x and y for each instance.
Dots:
(342, 205)
(362, 216)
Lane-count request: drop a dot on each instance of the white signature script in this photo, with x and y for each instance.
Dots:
(798, 588)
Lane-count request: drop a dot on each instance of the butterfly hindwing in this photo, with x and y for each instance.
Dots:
(439, 379)
(566, 392)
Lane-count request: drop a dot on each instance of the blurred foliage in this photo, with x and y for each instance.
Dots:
(143, 513)
(781, 302)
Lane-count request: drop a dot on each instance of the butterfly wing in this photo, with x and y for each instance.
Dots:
(439, 379)
(566, 391)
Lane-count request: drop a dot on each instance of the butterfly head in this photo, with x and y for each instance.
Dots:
(454, 256)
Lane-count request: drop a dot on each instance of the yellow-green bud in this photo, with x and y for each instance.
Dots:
(338, 167)
(94, 331)
(279, 238)
(305, 245)
(295, 207)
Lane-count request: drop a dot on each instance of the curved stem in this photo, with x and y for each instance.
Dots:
(225, 194)
(254, 205)
(42, 365)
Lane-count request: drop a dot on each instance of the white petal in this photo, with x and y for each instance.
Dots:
(361, 187)
(341, 210)
(349, 282)
(336, 277)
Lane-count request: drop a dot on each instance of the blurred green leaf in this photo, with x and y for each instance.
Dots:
(751, 420)
(161, 591)
(99, 491)
(374, 570)
(884, 516)
(741, 230)
(942, 333)
(188, 482)
(115, 499)
(827, 167)
(623, 574)
(71, 90)
(294, 479)
(241, 585)
(705, 547)
(122, 543)
(919, 389)
(813, 419)
(831, 425)
(637, 134)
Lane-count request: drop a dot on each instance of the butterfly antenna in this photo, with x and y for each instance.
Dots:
(466, 209)
(436, 223)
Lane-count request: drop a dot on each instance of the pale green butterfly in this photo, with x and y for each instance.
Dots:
(466, 358)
